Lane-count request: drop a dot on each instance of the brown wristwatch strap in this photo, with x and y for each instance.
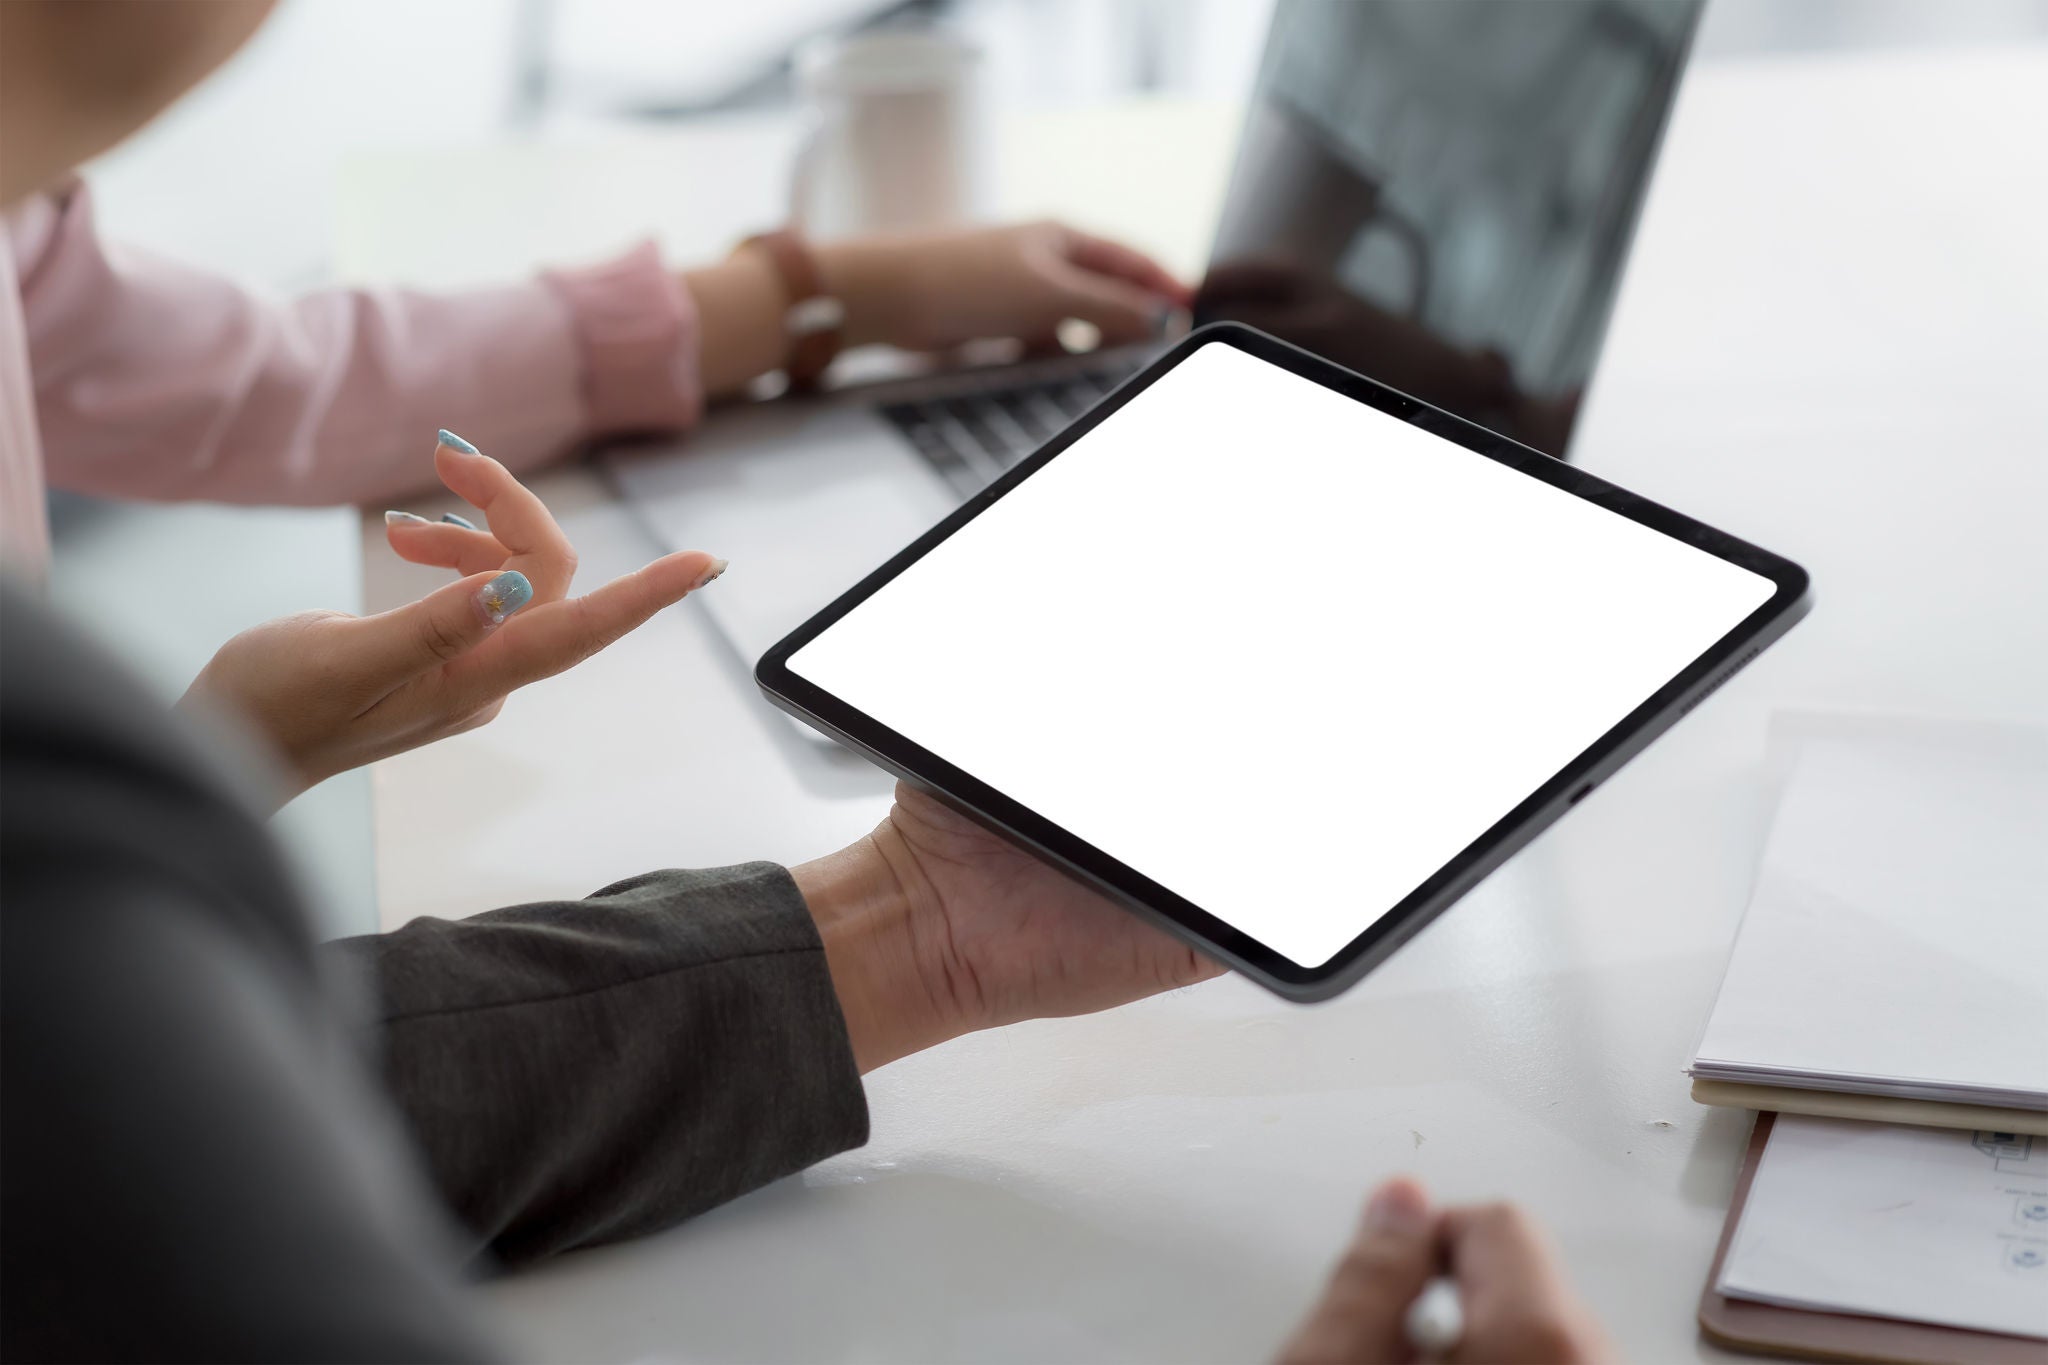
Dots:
(814, 321)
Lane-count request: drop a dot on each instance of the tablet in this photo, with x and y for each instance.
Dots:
(1280, 658)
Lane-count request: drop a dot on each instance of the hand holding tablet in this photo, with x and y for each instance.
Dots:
(934, 927)
(1278, 658)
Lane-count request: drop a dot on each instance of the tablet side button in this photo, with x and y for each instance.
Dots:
(1581, 794)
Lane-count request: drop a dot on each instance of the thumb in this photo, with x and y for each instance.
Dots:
(446, 624)
(1362, 1315)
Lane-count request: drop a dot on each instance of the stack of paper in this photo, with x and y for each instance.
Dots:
(1897, 941)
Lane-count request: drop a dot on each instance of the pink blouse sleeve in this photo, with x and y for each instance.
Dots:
(155, 381)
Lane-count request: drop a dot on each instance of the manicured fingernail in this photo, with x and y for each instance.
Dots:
(393, 518)
(503, 595)
(711, 574)
(1162, 318)
(454, 442)
(1398, 1206)
(464, 522)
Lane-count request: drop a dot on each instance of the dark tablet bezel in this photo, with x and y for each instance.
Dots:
(1131, 888)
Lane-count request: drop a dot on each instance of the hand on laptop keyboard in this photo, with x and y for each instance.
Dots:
(938, 290)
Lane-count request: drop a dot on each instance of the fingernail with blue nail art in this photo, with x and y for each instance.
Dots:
(711, 574)
(503, 595)
(464, 522)
(394, 518)
(454, 442)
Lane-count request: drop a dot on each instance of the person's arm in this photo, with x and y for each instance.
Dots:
(156, 381)
(195, 1168)
(580, 1071)
(929, 291)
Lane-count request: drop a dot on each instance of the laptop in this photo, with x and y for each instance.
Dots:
(1438, 194)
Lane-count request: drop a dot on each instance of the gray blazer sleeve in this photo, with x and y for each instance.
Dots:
(580, 1071)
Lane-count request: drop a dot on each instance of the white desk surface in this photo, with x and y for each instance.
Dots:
(1832, 341)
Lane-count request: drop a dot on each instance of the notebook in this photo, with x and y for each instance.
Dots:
(1896, 945)
(1870, 1242)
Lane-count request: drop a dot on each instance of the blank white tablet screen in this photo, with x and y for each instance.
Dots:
(1278, 651)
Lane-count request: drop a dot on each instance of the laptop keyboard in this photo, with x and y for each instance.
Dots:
(981, 429)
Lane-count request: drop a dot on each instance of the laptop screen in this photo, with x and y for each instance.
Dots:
(1439, 194)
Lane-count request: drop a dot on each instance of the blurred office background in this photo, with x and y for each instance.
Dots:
(243, 178)
(242, 175)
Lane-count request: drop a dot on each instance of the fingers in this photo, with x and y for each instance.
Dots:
(560, 635)
(1497, 1251)
(1120, 310)
(1516, 1301)
(1361, 1318)
(1113, 259)
(1124, 293)
(394, 647)
(443, 544)
(518, 520)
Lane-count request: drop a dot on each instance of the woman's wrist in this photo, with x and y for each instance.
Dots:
(870, 279)
(863, 916)
(742, 302)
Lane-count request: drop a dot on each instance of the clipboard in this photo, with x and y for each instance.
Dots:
(1765, 1329)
